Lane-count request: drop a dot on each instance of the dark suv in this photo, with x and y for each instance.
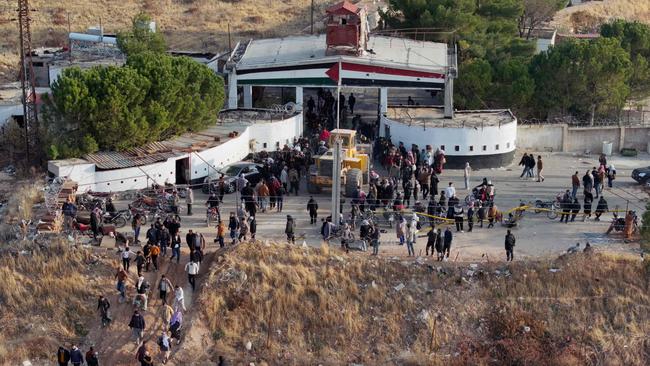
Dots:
(641, 175)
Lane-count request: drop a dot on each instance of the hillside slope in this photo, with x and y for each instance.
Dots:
(199, 25)
(307, 306)
(587, 17)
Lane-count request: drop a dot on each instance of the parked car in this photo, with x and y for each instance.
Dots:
(230, 173)
(641, 175)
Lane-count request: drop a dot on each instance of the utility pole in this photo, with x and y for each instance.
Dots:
(229, 41)
(30, 119)
(337, 159)
(312, 16)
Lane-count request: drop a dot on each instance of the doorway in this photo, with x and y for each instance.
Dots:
(183, 171)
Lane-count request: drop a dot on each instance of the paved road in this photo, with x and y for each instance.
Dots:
(536, 236)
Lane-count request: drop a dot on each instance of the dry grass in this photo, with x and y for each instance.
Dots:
(20, 204)
(315, 307)
(588, 16)
(47, 297)
(199, 25)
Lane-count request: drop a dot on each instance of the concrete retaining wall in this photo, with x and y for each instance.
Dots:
(560, 137)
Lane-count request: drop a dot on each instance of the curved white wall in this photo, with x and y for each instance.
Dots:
(230, 151)
(496, 139)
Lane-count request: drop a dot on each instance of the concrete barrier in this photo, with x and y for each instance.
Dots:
(561, 137)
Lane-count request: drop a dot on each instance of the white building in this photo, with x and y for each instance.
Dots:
(184, 159)
(485, 139)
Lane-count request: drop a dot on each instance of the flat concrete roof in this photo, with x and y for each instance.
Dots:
(435, 117)
(382, 51)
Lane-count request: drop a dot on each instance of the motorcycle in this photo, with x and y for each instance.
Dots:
(618, 224)
(551, 207)
(118, 219)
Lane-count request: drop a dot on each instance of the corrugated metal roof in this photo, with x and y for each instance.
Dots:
(154, 152)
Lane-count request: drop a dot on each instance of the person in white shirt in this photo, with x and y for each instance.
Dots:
(192, 269)
(466, 172)
(179, 298)
(450, 191)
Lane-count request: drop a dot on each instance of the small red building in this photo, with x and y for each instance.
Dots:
(346, 29)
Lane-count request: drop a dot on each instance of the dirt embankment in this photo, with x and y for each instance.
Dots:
(295, 306)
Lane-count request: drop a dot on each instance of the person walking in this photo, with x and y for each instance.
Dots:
(312, 208)
(375, 238)
(481, 213)
(103, 305)
(411, 232)
(575, 185)
(447, 243)
(440, 245)
(470, 217)
(176, 248)
(294, 181)
(154, 252)
(458, 217)
(400, 230)
(492, 214)
(575, 209)
(601, 208)
(221, 233)
(192, 269)
(432, 236)
(466, 173)
(137, 325)
(588, 201)
(179, 298)
(450, 191)
(524, 163)
(121, 277)
(189, 199)
(76, 357)
(62, 356)
(142, 350)
(164, 342)
(92, 357)
(540, 167)
(510, 246)
(126, 257)
(351, 102)
(289, 229)
(164, 287)
(140, 261)
(565, 206)
(611, 175)
(166, 312)
(136, 224)
(587, 181)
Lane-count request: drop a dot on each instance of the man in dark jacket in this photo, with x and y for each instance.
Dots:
(510, 246)
(447, 243)
(140, 261)
(432, 236)
(289, 230)
(190, 239)
(103, 305)
(137, 326)
(312, 207)
(601, 207)
(62, 356)
(575, 209)
(91, 357)
(76, 357)
(433, 183)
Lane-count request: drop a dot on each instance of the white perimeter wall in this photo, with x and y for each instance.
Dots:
(505, 136)
(229, 152)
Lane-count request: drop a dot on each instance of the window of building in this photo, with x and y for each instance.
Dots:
(484, 147)
(442, 147)
(456, 148)
(471, 148)
(264, 145)
(508, 145)
(121, 182)
(135, 180)
(496, 147)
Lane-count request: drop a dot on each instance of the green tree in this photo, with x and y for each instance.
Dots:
(153, 97)
(472, 89)
(586, 78)
(140, 38)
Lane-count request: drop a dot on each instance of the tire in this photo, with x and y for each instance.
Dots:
(552, 214)
(353, 178)
(313, 188)
(120, 221)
